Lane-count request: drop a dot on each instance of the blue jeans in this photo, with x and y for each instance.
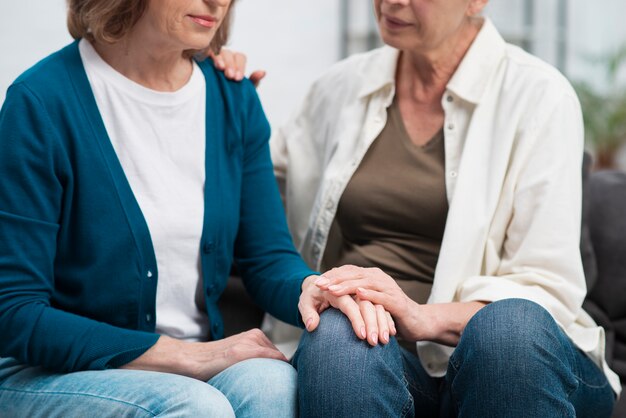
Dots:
(251, 388)
(512, 361)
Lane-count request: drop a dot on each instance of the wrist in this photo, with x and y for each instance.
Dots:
(424, 324)
(308, 282)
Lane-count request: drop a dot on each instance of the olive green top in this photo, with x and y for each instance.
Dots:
(393, 211)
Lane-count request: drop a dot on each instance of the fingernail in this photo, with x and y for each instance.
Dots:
(230, 73)
(322, 281)
(334, 288)
(375, 337)
(363, 333)
(308, 323)
(239, 75)
(386, 336)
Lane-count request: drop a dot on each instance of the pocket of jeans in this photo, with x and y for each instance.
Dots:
(588, 373)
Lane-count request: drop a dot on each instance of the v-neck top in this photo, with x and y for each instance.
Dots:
(392, 214)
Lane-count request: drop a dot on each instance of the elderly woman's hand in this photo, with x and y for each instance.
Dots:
(368, 321)
(234, 66)
(377, 287)
(443, 323)
(203, 360)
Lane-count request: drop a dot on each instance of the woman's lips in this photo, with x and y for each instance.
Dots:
(205, 21)
(393, 23)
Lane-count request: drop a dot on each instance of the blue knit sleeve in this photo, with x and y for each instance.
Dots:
(34, 171)
(271, 267)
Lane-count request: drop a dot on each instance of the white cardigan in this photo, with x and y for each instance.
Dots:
(514, 145)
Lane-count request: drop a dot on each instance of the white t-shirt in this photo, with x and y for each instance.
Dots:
(159, 139)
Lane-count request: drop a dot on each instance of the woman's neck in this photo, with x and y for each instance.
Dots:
(425, 75)
(147, 61)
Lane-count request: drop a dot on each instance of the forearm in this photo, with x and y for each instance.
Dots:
(442, 322)
(170, 355)
(164, 356)
(203, 360)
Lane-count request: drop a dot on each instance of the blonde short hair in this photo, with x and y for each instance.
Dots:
(109, 21)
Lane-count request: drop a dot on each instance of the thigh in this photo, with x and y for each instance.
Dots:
(341, 375)
(514, 360)
(593, 395)
(424, 389)
(33, 392)
(259, 388)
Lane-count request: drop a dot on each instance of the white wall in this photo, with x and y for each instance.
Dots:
(595, 29)
(294, 40)
(29, 30)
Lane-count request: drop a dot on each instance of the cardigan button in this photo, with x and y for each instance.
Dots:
(148, 317)
(149, 274)
(209, 247)
(210, 289)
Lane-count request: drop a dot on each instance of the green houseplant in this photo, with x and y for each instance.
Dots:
(604, 112)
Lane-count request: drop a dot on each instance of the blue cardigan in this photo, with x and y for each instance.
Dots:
(78, 274)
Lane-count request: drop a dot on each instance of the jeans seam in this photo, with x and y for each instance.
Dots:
(410, 403)
(417, 389)
(452, 395)
(605, 384)
(90, 395)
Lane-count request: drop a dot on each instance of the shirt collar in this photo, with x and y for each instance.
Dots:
(380, 71)
(470, 80)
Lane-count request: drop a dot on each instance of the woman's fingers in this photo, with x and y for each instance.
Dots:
(251, 344)
(240, 61)
(368, 312)
(256, 77)
(309, 312)
(377, 298)
(233, 64)
(349, 287)
(349, 307)
(347, 272)
(383, 324)
(324, 281)
(392, 324)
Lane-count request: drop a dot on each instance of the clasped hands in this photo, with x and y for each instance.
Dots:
(371, 299)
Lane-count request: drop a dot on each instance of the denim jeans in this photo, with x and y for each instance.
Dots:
(251, 388)
(511, 361)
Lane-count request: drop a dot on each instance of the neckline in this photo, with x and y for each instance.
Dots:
(396, 117)
(93, 63)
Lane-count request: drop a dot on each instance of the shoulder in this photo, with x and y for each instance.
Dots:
(238, 101)
(230, 90)
(50, 78)
(349, 76)
(538, 79)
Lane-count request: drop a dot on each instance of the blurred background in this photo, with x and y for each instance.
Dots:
(296, 40)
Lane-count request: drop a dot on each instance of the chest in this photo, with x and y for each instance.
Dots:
(422, 120)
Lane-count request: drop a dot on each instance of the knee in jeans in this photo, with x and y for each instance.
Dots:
(334, 331)
(274, 381)
(513, 326)
(196, 400)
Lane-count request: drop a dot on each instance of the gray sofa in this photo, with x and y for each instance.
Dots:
(603, 248)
